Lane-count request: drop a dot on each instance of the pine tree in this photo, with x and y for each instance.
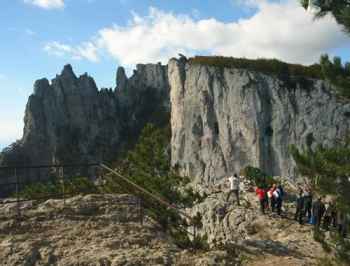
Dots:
(337, 74)
(152, 170)
(329, 169)
(338, 9)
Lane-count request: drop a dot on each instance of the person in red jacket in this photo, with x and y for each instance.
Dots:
(262, 195)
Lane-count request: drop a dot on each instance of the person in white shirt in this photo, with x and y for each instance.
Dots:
(234, 187)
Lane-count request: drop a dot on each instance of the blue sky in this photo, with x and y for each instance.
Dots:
(39, 37)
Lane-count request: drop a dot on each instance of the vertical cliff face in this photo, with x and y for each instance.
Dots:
(71, 121)
(143, 98)
(224, 120)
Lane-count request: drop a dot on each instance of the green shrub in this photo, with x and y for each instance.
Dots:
(318, 234)
(257, 177)
(257, 227)
(73, 186)
(343, 248)
(244, 257)
(201, 243)
(342, 257)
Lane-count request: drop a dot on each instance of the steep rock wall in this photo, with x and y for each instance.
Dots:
(224, 120)
(70, 121)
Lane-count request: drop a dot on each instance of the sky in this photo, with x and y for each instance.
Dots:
(39, 37)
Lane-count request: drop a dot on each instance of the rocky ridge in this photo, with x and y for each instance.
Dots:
(71, 121)
(106, 230)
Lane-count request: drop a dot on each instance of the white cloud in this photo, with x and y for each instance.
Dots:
(2, 76)
(76, 57)
(29, 32)
(57, 49)
(89, 51)
(47, 4)
(281, 30)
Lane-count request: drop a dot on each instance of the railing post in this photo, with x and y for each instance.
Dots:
(100, 177)
(17, 193)
(141, 210)
(63, 191)
(194, 238)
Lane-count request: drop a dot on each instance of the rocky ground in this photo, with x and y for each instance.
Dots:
(106, 230)
(260, 239)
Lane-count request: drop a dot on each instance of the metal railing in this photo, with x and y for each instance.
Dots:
(100, 175)
(60, 172)
(159, 200)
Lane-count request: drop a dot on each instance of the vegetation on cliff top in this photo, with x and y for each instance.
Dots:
(263, 65)
(333, 72)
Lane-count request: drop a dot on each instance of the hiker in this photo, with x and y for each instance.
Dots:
(279, 199)
(318, 209)
(279, 186)
(266, 201)
(273, 197)
(262, 196)
(234, 187)
(300, 207)
(308, 202)
(334, 217)
(341, 221)
(327, 216)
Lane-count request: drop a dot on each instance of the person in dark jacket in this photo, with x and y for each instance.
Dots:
(318, 209)
(327, 216)
(341, 223)
(300, 207)
(279, 200)
(308, 202)
(334, 217)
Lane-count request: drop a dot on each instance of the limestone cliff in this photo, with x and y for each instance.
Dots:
(71, 121)
(222, 120)
(225, 120)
